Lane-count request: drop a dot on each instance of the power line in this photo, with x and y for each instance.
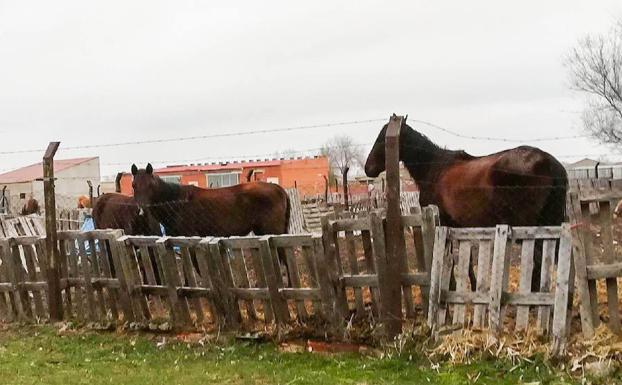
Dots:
(200, 137)
(495, 139)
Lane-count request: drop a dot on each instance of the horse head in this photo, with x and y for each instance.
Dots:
(375, 163)
(144, 184)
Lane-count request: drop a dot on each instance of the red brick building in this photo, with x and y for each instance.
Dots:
(307, 174)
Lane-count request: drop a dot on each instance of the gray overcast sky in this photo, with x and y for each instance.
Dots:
(86, 72)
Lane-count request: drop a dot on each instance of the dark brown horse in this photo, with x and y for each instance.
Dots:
(261, 208)
(523, 186)
(31, 207)
(118, 211)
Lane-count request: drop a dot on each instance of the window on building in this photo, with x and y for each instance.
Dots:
(171, 178)
(222, 180)
(22, 196)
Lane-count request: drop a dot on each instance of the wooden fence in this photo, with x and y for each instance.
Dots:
(459, 296)
(596, 258)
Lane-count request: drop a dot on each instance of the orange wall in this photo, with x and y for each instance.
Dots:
(306, 174)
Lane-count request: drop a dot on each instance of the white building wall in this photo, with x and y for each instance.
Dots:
(71, 183)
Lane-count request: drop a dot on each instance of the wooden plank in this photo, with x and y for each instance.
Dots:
(327, 289)
(308, 255)
(244, 282)
(191, 280)
(20, 276)
(524, 286)
(461, 298)
(250, 294)
(220, 279)
(31, 266)
(261, 282)
(354, 269)
(461, 274)
(279, 305)
(542, 232)
(115, 248)
(106, 272)
(149, 273)
(528, 299)
(417, 279)
(179, 307)
(134, 279)
(202, 254)
(548, 257)
(72, 262)
(430, 219)
(497, 276)
(395, 244)
(483, 281)
(440, 247)
(588, 247)
(300, 294)
(95, 258)
(64, 271)
(359, 280)
(562, 283)
(294, 277)
(85, 267)
(606, 233)
(407, 290)
(472, 234)
(13, 271)
(578, 253)
(613, 270)
(282, 241)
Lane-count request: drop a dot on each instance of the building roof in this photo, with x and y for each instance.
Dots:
(223, 166)
(586, 162)
(35, 171)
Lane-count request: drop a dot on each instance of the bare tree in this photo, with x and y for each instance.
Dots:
(344, 155)
(595, 66)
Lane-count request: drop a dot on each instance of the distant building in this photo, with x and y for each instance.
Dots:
(71, 182)
(591, 169)
(307, 174)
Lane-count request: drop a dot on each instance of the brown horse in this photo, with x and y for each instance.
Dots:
(523, 186)
(261, 208)
(118, 211)
(31, 207)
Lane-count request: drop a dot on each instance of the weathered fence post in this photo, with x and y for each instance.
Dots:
(55, 300)
(346, 201)
(395, 244)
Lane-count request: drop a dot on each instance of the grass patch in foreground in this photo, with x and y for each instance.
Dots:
(38, 355)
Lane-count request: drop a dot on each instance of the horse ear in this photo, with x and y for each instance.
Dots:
(149, 169)
(134, 170)
(405, 118)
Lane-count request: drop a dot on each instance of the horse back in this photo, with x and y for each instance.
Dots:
(513, 186)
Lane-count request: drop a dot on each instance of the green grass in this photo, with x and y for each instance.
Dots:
(34, 355)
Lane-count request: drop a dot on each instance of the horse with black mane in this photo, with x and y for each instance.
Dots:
(184, 210)
(523, 186)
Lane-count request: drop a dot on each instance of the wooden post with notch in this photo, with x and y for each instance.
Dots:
(55, 300)
(391, 290)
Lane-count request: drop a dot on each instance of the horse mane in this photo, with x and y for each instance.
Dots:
(422, 157)
(170, 192)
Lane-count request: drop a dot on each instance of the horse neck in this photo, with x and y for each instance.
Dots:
(168, 192)
(424, 160)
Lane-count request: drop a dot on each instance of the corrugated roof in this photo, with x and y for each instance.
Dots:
(217, 166)
(35, 171)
